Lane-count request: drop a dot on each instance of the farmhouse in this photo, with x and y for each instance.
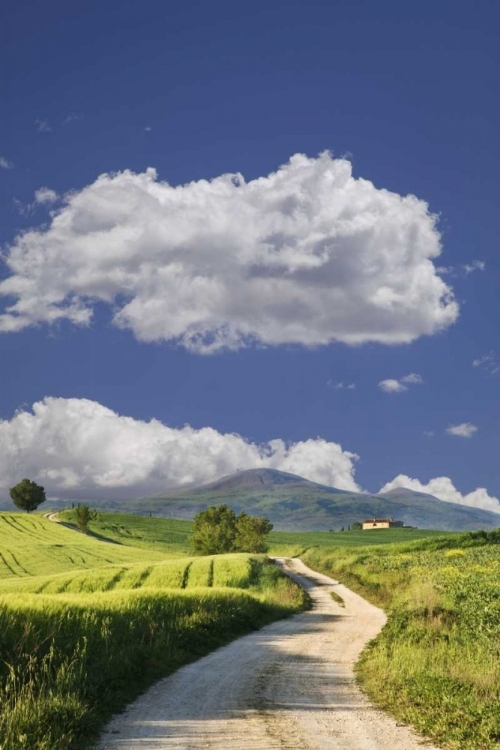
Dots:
(381, 523)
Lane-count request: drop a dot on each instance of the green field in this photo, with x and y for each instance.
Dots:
(436, 663)
(158, 534)
(88, 622)
(293, 544)
(172, 536)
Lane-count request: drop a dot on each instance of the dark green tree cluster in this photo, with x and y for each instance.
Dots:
(218, 530)
(27, 495)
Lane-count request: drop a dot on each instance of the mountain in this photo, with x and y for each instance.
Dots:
(255, 480)
(293, 503)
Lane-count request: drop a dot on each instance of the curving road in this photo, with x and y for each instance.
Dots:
(287, 686)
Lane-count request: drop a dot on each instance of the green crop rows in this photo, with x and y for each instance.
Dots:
(87, 624)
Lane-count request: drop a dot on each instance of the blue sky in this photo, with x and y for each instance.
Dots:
(405, 92)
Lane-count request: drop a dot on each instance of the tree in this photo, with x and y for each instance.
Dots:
(356, 526)
(83, 516)
(251, 533)
(218, 530)
(214, 530)
(27, 495)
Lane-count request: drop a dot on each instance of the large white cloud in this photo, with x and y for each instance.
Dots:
(444, 489)
(306, 255)
(79, 448)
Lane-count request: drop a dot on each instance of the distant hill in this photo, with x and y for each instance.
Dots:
(257, 480)
(293, 503)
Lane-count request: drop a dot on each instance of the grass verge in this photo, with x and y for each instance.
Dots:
(436, 663)
(69, 661)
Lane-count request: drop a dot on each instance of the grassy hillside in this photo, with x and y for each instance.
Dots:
(165, 535)
(31, 545)
(435, 664)
(88, 623)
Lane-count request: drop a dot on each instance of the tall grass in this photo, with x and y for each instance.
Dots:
(436, 663)
(67, 661)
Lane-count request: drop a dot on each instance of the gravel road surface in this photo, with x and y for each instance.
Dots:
(287, 686)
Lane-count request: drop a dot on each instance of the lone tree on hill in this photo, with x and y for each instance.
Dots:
(218, 530)
(83, 516)
(27, 495)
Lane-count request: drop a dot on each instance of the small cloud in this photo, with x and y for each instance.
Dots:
(465, 430)
(488, 362)
(43, 126)
(413, 378)
(429, 433)
(43, 196)
(6, 163)
(341, 385)
(475, 265)
(46, 195)
(23, 208)
(464, 270)
(392, 386)
(148, 128)
(71, 118)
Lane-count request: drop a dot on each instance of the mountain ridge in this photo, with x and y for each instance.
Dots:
(251, 478)
(292, 502)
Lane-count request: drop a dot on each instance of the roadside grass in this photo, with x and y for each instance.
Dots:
(436, 662)
(103, 621)
(69, 661)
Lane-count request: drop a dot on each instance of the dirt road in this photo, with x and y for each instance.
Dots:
(287, 686)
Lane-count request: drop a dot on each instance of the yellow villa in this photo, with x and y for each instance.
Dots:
(381, 523)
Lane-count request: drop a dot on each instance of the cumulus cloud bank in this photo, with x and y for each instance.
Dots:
(79, 448)
(307, 255)
(444, 489)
